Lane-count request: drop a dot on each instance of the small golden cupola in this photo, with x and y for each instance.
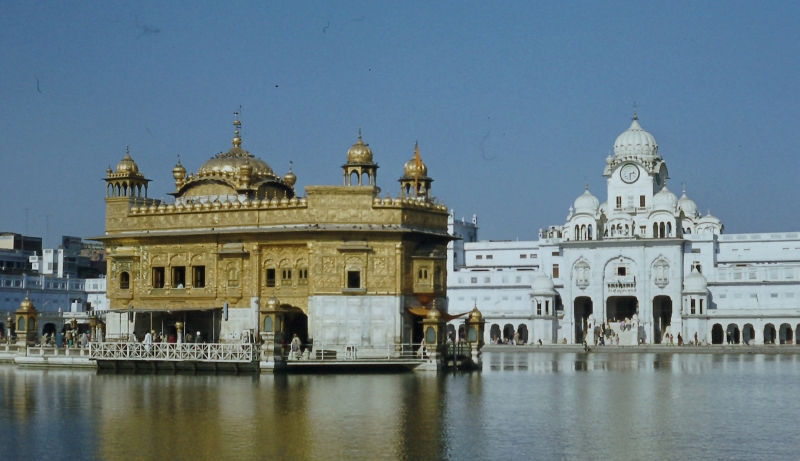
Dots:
(232, 175)
(360, 170)
(289, 178)
(179, 173)
(26, 322)
(126, 181)
(415, 182)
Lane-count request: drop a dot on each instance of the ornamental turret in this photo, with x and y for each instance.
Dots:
(360, 170)
(415, 182)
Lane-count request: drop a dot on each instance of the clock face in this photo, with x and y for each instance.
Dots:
(629, 173)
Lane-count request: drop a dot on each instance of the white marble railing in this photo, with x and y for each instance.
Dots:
(215, 352)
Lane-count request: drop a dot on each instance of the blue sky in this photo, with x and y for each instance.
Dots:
(515, 105)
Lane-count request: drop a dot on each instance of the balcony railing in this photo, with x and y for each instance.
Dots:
(171, 352)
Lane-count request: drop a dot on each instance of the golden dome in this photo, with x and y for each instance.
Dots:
(231, 162)
(127, 165)
(26, 305)
(360, 152)
(290, 179)
(434, 313)
(475, 314)
(179, 172)
(410, 169)
(273, 303)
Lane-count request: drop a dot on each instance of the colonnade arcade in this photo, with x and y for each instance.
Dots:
(765, 332)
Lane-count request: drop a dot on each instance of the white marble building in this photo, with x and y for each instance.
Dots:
(641, 267)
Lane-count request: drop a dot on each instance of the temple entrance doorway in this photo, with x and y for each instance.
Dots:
(508, 331)
(296, 323)
(619, 308)
(583, 309)
(717, 334)
(748, 333)
(494, 332)
(523, 333)
(662, 316)
(732, 334)
(769, 334)
(786, 334)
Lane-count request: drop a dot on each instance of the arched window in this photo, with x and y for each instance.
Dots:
(661, 230)
(354, 179)
(124, 281)
(655, 230)
(590, 231)
(577, 232)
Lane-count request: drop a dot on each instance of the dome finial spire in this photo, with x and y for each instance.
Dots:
(359, 134)
(237, 139)
(635, 117)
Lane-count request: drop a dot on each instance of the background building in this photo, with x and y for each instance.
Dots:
(643, 266)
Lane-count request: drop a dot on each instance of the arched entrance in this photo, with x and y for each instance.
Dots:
(662, 315)
(619, 308)
(523, 333)
(508, 331)
(769, 334)
(583, 308)
(717, 334)
(494, 332)
(748, 333)
(451, 332)
(295, 323)
(49, 329)
(786, 334)
(732, 334)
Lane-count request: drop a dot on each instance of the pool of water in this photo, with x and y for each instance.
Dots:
(522, 406)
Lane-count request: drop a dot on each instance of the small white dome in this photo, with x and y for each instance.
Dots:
(586, 203)
(543, 285)
(635, 141)
(687, 205)
(665, 200)
(709, 219)
(695, 283)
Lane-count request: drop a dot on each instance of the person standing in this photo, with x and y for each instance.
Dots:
(148, 340)
(295, 346)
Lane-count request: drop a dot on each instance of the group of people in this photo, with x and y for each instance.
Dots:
(152, 337)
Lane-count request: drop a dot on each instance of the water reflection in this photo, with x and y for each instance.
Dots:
(540, 406)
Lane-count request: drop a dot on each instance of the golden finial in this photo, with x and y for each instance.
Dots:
(359, 134)
(237, 140)
(635, 117)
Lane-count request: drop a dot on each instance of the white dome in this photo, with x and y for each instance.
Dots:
(543, 285)
(695, 283)
(708, 219)
(665, 200)
(635, 141)
(687, 205)
(586, 203)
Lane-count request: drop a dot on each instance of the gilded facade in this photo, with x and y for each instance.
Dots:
(344, 263)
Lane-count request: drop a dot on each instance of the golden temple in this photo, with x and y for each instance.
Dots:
(343, 264)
